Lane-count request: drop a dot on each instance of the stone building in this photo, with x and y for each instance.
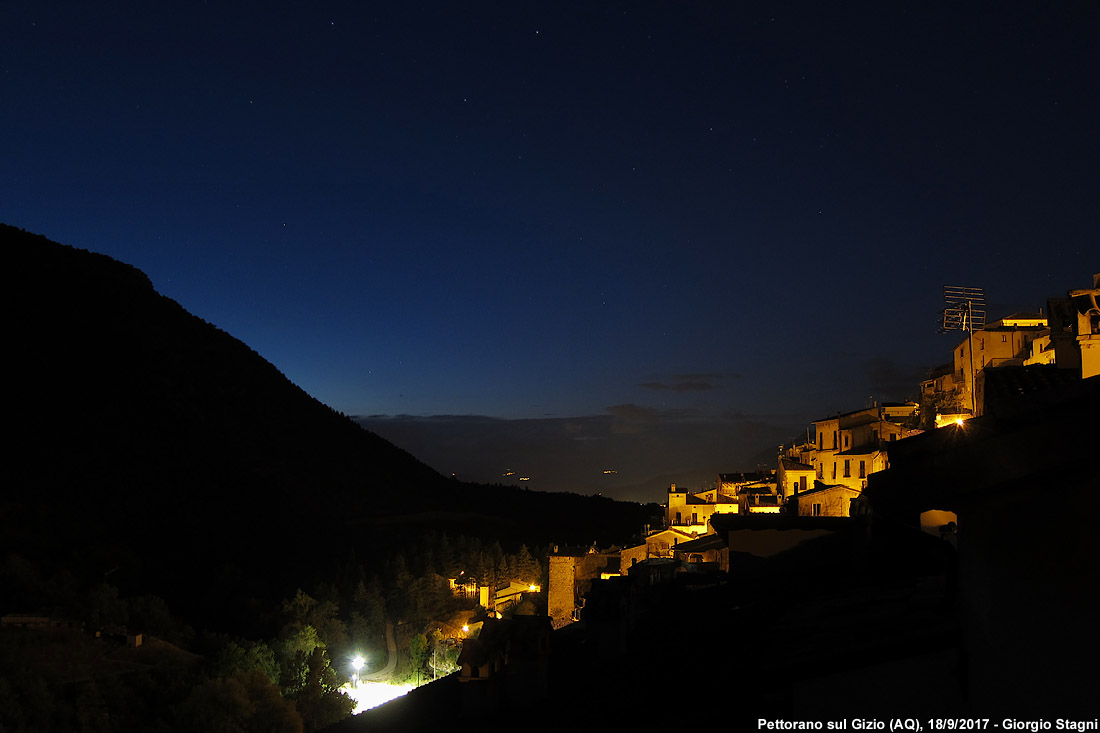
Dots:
(1075, 329)
(571, 572)
(689, 512)
(1006, 342)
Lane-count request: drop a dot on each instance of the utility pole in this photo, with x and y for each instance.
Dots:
(965, 311)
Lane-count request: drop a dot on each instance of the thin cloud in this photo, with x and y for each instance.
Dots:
(701, 382)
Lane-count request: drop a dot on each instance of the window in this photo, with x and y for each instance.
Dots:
(835, 443)
(821, 470)
(678, 520)
(802, 483)
(863, 469)
(1004, 338)
(846, 442)
(834, 469)
(817, 510)
(981, 344)
(695, 518)
(847, 468)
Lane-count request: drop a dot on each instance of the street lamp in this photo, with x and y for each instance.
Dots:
(358, 664)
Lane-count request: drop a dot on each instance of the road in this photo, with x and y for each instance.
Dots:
(391, 663)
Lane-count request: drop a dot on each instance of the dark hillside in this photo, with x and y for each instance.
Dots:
(150, 441)
(139, 425)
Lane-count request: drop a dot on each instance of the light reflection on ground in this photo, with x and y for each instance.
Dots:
(369, 695)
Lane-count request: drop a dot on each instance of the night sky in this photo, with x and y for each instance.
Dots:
(557, 237)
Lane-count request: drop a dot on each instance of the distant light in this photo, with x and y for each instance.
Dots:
(533, 588)
(610, 471)
(465, 629)
(358, 662)
(957, 420)
(524, 478)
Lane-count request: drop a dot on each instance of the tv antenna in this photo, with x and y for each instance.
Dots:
(965, 311)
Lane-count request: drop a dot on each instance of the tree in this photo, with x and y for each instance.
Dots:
(447, 564)
(419, 649)
(303, 610)
(245, 703)
(320, 702)
(102, 607)
(237, 658)
(527, 568)
(294, 650)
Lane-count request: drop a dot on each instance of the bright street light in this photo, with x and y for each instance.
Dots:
(358, 663)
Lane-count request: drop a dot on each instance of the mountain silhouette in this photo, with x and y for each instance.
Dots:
(154, 447)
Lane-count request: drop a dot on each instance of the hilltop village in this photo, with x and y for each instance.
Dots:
(874, 559)
(1021, 356)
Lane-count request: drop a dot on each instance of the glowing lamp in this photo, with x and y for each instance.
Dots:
(357, 663)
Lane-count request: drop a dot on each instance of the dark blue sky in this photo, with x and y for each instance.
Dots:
(707, 223)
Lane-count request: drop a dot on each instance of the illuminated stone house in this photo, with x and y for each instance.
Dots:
(732, 483)
(657, 544)
(758, 499)
(847, 449)
(943, 392)
(690, 512)
(1006, 342)
(824, 500)
(709, 551)
(1075, 330)
(506, 596)
(793, 476)
(570, 576)
(1069, 349)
